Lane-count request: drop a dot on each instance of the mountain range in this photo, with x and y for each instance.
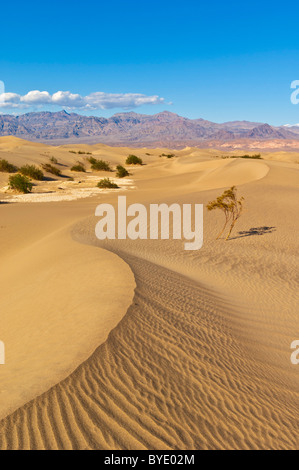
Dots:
(162, 129)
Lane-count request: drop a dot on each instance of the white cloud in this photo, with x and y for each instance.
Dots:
(102, 100)
(65, 98)
(68, 100)
(36, 97)
(9, 100)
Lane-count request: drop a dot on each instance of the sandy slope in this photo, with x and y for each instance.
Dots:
(202, 357)
(59, 300)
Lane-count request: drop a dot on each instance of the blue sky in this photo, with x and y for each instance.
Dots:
(216, 60)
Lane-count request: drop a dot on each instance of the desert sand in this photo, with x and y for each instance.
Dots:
(140, 344)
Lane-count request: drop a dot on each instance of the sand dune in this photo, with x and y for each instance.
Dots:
(201, 359)
(44, 287)
(158, 383)
(215, 174)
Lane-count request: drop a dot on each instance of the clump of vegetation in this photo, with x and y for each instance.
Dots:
(99, 165)
(79, 167)
(107, 183)
(6, 167)
(167, 155)
(147, 154)
(80, 152)
(121, 172)
(51, 169)
(256, 156)
(133, 160)
(54, 160)
(231, 207)
(20, 183)
(32, 171)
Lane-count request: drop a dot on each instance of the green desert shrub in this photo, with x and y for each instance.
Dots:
(79, 167)
(81, 152)
(20, 183)
(133, 160)
(99, 165)
(256, 156)
(121, 171)
(107, 183)
(51, 169)
(32, 171)
(54, 160)
(6, 167)
(167, 155)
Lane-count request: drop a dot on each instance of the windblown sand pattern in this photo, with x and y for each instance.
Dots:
(158, 383)
(201, 359)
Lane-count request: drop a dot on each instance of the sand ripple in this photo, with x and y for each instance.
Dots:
(170, 376)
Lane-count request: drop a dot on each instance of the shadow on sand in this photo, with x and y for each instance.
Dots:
(255, 231)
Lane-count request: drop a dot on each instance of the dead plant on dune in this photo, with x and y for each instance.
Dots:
(231, 207)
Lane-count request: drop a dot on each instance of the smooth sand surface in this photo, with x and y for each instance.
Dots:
(200, 360)
(45, 322)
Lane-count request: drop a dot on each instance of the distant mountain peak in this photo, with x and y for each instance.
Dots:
(265, 131)
(128, 113)
(167, 113)
(63, 112)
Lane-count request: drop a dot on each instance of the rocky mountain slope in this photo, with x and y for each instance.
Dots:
(135, 129)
